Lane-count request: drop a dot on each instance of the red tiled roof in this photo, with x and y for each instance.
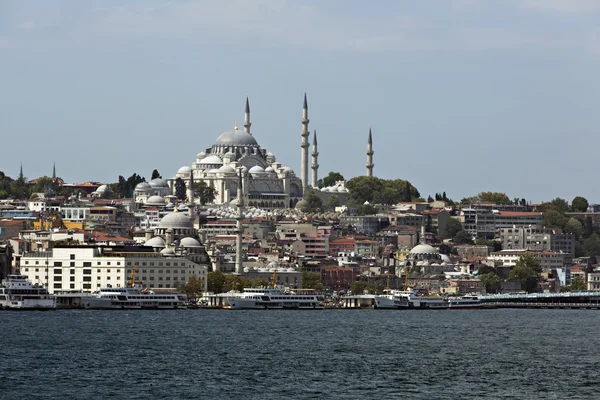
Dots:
(519, 214)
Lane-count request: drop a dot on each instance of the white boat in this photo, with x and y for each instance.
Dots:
(273, 298)
(464, 302)
(133, 298)
(407, 299)
(17, 293)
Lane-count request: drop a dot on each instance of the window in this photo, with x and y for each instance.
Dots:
(26, 269)
(72, 271)
(87, 271)
(37, 263)
(87, 264)
(37, 270)
(98, 263)
(99, 270)
(58, 286)
(72, 279)
(108, 263)
(57, 263)
(72, 264)
(26, 262)
(72, 286)
(58, 278)
(87, 278)
(72, 257)
(118, 262)
(87, 286)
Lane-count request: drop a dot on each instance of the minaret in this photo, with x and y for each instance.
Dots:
(305, 133)
(54, 172)
(315, 161)
(190, 197)
(21, 177)
(247, 122)
(370, 153)
(239, 227)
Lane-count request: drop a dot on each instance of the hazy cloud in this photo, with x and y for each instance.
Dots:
(26, 25)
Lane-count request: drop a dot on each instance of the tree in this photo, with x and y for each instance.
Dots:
(574, 226)
(366, 209)
(493, 197)
(180, 189)
(462, 236)
(315, 204)
(215, 281)
(561, 204)
(371, 189)
(491, 281)
(155, 174)
(330, 179)
(374, 287)
(358, 287)
(453, 226)
(19, 189)
(591, 245)
(579, 204)
(429, 199)
(204, 192)
(311, 280)
(125, 187)
(334, 201)
(554, 219)
(387, 196)
(194, 288)
(494, 244)
(528, 271)
(576, 284)
(588, 226)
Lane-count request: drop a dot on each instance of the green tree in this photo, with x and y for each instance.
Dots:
(463, 237)
(194, 288)
(576, 284)
(155, 174)
(19, 189)
(561, 204)
(366, 209)
(579, 204)
(453, 226)
(591, 245)
(494, 244)
(493, 197)
(358, 287)
(311, 280)
(334, 201)
(215, 281)
(330, 180)
(315, 204)
(374, 287)
(429, 199)
(204, 192)
(370, 188)
(260, 283)
(588, 226)
(528, 271)
(491, 281)
(554, 219)
(180, 189)
(574, 226)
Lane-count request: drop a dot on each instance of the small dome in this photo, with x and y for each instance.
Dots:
(201, 155)
(102, 188)
(212, 159)
(158, 182)
(236, 137)
(227, 169)
(176, 220)
(155, 201)
(257, 169)
(156, 241)
(142, 186)
(269, 170)
(189, 242)
(302, 205)
(167, 252)
(229, 155)
(184, 170)
(423, 249)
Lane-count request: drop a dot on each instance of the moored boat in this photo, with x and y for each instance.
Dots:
(17, 293)
(133, 298)
(464, 302)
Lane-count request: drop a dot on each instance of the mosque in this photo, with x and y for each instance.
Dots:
(266, 183)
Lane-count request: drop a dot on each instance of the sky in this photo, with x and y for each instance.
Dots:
(462, 96)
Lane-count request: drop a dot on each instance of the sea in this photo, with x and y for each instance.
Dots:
(312, 354)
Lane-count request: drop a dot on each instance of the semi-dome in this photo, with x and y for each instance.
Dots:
(236, 137)
(158, 182)
(257, 169)
(142, 186)
(212, 159)
(167, 252)
(189, 242)
(270, 170)
(175, 220)
(156, 241)
(227, 169)
(423, 249)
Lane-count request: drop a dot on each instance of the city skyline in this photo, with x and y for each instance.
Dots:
(470, 96)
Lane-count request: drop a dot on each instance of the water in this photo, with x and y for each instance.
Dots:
(333, 354)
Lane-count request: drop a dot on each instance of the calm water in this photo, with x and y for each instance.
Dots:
(349, 354)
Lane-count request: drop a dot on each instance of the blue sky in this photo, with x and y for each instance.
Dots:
(462, 96)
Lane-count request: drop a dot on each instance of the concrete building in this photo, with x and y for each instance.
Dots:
(89, 268)
(548, 259)
(537, 238)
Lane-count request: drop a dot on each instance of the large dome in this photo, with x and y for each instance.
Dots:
(236, 137)
(423, 249)
(158, 182)
(176, 220)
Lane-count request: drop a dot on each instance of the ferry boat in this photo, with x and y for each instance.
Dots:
(273, 298)
(133, 298)
(464, 302)
(407, 299)
(17, 293)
